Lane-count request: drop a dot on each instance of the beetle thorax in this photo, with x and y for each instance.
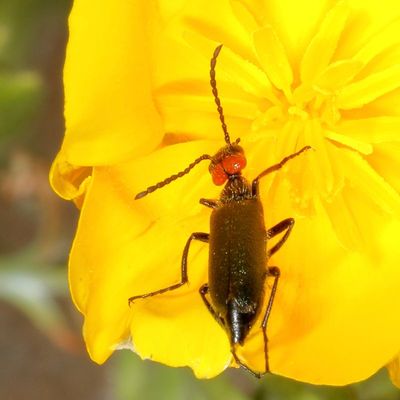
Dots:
(236, 188)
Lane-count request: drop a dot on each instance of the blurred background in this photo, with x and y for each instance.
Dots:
(42, 355)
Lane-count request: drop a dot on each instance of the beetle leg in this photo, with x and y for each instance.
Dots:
(203, 237)
(273, 168)
(203, 291)
(243, 365)
(209, 203)
(275, 272)
(287, 224)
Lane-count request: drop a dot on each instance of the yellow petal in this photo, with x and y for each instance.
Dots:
(99, 267)
(218, 23)
(321, 162)
(243, 14)
(357, 94)
(366, 25)
(109, 112)
(287, 138)
(294, 28)
(117, 247)
(68, 181)
(339, 320)
(362, 147)
(385, 160)
(381, 41)
(232, 66)
(348, 215)
(337, 75)
(323, 45)
(371, 130)
(186, 333)
(273, 59)
(371, 183)
(189, 108)
(247, 75)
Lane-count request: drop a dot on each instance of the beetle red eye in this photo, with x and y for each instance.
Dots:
(218, 174)
(234, 163)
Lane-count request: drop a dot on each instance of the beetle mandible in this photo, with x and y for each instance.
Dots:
(238, 256)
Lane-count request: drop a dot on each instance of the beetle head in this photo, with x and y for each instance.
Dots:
(228, 161)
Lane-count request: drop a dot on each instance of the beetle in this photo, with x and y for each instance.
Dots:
(238, 254)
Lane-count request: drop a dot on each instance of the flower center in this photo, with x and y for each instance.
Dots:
(304, 116)
(303, 104)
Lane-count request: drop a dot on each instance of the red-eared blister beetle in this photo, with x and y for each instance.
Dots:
(238, 255)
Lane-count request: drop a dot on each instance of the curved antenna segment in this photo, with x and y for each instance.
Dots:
(168, 180)
(213, 83)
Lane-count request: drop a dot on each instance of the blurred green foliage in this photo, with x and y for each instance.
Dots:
(133, 378)
(24, 50)
(34, 290)
(26, 29)
(136, 379)
(20, 96)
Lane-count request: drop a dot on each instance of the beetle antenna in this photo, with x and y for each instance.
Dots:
(168, 180)
(213, 83)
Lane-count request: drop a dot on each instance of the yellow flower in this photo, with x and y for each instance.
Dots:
(139, 109)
